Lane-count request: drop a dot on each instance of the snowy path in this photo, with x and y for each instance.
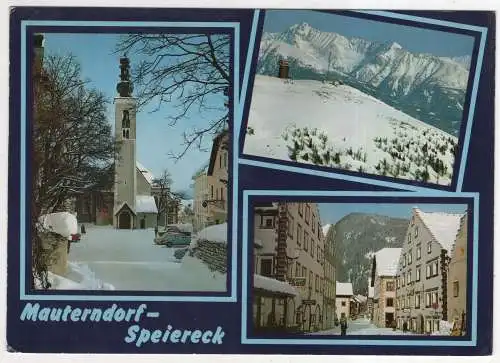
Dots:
(129, 260)
(361, 327)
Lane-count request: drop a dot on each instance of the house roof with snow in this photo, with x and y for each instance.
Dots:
(145, 204)
(361, 298)
(443, 226)
(326, 228)
(274, 286)
(215, 233)
(386, 261)
(147, 174)
(344, 289)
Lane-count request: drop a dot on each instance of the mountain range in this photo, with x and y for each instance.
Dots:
(427, 87)
(357, 237)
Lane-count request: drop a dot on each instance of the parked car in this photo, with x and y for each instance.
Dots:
(76, 237)
(171, 239)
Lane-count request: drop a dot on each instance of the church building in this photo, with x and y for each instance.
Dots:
(134, 205)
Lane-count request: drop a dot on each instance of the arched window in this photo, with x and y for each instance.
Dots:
(126, 119)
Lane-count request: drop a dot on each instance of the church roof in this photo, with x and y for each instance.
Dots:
(121, 206)
(148, 175)
(145, 204)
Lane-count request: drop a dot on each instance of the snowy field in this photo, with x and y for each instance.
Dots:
(129, 260)
(341, 127)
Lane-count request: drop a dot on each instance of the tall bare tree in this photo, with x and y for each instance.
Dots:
(162, 193)
(72, 143)
(185, 70)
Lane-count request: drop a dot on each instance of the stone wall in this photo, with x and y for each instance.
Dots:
(56, 248)
(213, 254)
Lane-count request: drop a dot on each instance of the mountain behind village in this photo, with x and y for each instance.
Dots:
(357, 237)
(427, 87)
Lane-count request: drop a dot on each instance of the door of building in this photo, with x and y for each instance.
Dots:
(389, 317)
(124, 220)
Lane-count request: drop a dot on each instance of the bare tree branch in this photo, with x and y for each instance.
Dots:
(188, 71)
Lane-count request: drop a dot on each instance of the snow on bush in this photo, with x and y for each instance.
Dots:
(61, 223)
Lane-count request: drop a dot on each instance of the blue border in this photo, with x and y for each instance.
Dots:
(358, 340)
(273, 164)
(236, 123)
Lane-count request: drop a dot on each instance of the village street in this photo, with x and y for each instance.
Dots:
(361, 326)
(129, 260)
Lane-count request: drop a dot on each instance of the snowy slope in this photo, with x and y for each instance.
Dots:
(341, 127)
(427, 87)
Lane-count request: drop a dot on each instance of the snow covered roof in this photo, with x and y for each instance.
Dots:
(61, 223)
(145, 204)
(443, 226)
(371, 291)
(344, 289)
(361, 298)
(147, 174)
(272, 285)
(215, 233)
(387, 260)
(326, 228)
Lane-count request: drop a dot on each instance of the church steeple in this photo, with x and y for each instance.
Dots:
(124, 87)
(125, 161)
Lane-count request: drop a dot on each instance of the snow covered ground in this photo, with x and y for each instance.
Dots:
(361, 327)
(129, 260)
(341, 127)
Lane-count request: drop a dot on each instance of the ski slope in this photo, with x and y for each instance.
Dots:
(341, 127)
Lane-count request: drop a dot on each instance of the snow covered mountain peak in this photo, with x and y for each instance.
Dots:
(427, 87)
(301, 28)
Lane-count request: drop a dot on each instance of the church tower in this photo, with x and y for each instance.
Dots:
(125, 159)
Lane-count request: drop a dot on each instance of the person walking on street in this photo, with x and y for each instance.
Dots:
(343, 325)
(405, 326)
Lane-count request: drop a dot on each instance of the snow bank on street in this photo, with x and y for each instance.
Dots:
(62, 223)
(215, 233)
(130, 261)
(79, 277)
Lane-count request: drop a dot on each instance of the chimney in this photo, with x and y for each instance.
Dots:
(283, 69)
